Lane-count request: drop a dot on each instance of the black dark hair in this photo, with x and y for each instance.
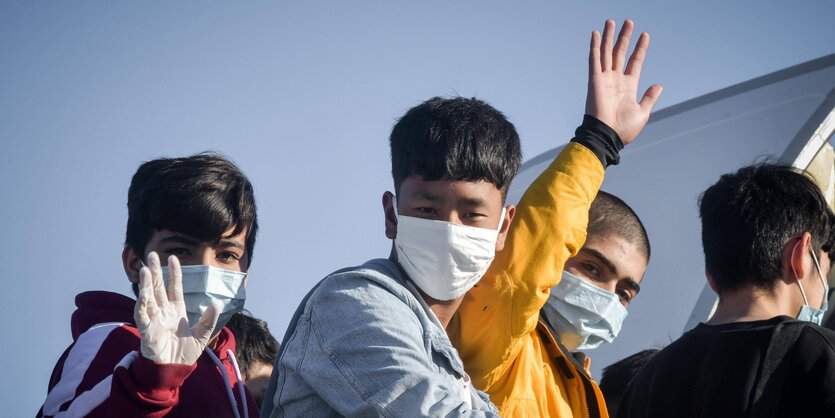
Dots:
(458, 138)
(616, 377)
(611, 215)
(749, 216)
(202, 196)
(254, 342)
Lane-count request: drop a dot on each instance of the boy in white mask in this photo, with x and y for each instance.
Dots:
(554, 290)
(167, 354)
(768, 237)
(370, 340)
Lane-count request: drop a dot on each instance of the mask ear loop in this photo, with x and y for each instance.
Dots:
(820, 275)
(802, 293)
(501, 220)
(817, 265)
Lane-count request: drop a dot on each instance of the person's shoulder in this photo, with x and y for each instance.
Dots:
(374, 291)
(100, 307)
(815, 336)
(374, 279)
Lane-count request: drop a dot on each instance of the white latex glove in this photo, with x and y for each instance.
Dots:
(161, 316)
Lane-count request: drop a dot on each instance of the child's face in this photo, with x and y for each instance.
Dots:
(611, 263)
(478, 204)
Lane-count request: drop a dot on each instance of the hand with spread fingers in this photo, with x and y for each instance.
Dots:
(160, 316)
(613, 89)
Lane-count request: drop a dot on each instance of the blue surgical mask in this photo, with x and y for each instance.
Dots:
(808, 313)
(582, 314)
(204, 285)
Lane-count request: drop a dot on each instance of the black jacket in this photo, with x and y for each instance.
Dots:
(713, 371)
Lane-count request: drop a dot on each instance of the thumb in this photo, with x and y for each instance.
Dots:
(651, 97)
(203, 329)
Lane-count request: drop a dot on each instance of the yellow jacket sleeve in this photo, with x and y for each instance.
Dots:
(549, 227)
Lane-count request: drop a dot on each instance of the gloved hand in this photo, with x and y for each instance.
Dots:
(160, 316)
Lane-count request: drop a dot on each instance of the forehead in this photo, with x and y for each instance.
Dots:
(447, 191)
(622, 253)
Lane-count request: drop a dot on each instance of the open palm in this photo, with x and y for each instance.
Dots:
(613, 89)
(161, 319)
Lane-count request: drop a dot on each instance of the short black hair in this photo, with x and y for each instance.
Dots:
(202, 196)
(749, 216)
(254, 341)
(459, 138)
(609, 215)
(616, 377)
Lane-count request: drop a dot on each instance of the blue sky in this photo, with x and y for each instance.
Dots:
(302, 96)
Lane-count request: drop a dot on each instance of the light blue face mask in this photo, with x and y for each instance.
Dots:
(582, 314)
(808, 313)
(204, 284)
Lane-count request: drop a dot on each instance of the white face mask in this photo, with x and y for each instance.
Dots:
(444, 259)
(582, 314)
(808, 313)
(204, 284)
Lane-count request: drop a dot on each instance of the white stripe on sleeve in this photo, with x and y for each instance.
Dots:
(75, 366)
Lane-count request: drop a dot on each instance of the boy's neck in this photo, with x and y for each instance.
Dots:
(443, 309)
(754, 304)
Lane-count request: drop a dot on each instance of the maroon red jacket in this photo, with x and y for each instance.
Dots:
(102, 374)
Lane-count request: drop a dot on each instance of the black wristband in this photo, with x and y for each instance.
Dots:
(602, 140)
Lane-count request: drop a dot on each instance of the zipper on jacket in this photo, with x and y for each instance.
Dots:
(591, 404)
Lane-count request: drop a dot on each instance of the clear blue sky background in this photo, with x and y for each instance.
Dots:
(302, 96)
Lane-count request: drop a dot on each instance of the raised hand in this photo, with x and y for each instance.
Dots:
(160, 316)
(613, 90)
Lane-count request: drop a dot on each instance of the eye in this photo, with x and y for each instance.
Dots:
(591, 269)
(228, 257)
(625, 296)
(474, 215)
(180, 252)
(426, 211)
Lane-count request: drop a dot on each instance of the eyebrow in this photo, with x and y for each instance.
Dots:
(186, 240)
(425, 195)
(179, 239)
(472, 201)
(228, 243)
(467, 201)
(630, 282)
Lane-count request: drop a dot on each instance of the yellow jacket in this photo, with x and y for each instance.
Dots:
(506, 349)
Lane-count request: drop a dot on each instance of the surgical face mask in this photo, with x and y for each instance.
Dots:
(808, 313)
(444, 259)
(582, 314)
(204, 284)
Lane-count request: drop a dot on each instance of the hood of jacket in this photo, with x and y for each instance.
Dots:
(97, 307)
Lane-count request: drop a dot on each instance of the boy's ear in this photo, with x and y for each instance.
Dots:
(391, 217)
(797, 260)
(510, 212)
(132, 263)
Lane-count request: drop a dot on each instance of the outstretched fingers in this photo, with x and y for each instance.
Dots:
(636, 60)
(622, 45)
